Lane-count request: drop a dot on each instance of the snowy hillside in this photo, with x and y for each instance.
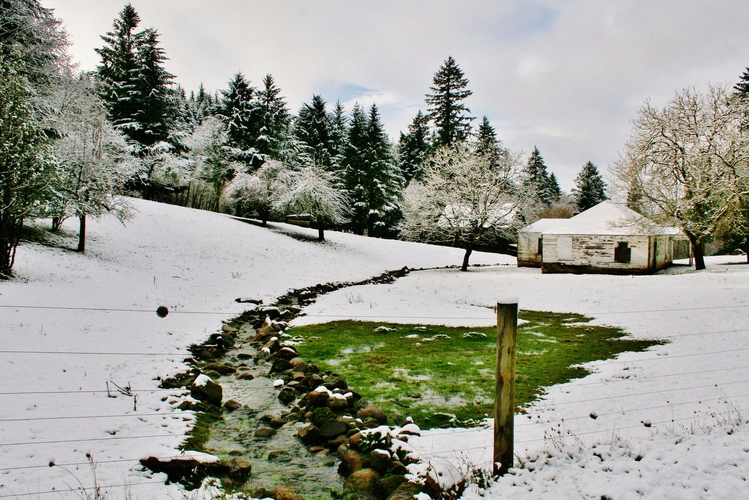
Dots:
(71, 323)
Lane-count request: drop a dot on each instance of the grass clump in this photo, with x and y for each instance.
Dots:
(444, 376)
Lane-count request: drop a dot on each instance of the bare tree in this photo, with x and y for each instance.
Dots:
(466, 202)
(685, 165)
(311, 191)
(257, 191)
(93, 161)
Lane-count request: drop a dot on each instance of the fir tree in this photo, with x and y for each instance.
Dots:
(489, 146)
(241, 112)
(742, 88)
(414, 148)
(313, 128)
(446, 108)
(274, 118)
(589, 190)
(554, 190)
(338, 132)
(538, 179)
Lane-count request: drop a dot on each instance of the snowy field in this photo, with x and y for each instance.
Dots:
(668, 422)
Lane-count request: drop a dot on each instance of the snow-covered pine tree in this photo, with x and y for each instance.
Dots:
(445, 107)
(414, 148)
(241, 111)
(313, 128)
(590, 189)
(338, 132)
(274, 118)
(538, 179)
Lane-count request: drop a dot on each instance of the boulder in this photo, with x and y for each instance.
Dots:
(380, 461)
(389, 484)
(374, 413)
(405, 491)
(333, 428)
(310, 435)
(265, 432)
(239, 469)
(281, 493)
(287, 395)
(205, 389)
(364, 483)
(232, 405)
(351, 461)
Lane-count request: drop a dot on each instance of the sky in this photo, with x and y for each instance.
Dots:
(566, 77)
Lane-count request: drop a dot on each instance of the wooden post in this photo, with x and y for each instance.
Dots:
(504, 398)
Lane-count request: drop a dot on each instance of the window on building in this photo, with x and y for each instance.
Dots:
(622, 253)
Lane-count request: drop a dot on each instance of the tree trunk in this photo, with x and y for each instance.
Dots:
(56, 223)
(467, 256)
(746, 249)
(82, 234)
(699, 255)
(320, 230)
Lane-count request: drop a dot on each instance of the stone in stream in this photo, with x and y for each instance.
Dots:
(281, 493)
(310, 435)
(351, 461)
(205, 389)
(265, 432)
(287, 395)
(232, 405)
(333, 428)
(364, 483)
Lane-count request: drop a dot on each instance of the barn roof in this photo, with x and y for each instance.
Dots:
(607, 218)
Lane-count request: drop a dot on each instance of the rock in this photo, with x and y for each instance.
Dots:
(281, 493)
(374, 413)
(245, 376)
(351, 461)
(299, 366)
(310, 435)
(265, 432)
(272, 420)
(205, 389)
(316, 398)
(354, 440)
(316, 449)
(363, 483)
(335, 382)
(270, 311)
(246, 300)
(406, 491)
(336, 442)
(398, 468)
(287, 395)
(244, 355)
(279, 456)
(333, 428)
(188, 468)
(232, 405)
(389, 484)
(288, 353)
(280, 365)
(239, 469)
(380, 461)
(222, 368)
(228, 329)
(212, 373)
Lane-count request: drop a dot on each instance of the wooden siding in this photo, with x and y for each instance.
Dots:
(528, 255)
(595, 253)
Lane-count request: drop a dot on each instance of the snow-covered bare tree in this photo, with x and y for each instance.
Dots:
(93, 158)
(256, 192)
(213, 157)
(311, 191)
(464, 201)
(688, 163)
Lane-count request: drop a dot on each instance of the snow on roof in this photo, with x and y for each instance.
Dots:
(608, 218)
(541, 225)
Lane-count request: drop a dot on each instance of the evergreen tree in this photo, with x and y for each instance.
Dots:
(489, 146)
(241, 111)
(313, 128)
(414, 148)
(274, 118)
(446, 108)
(338, 132)
(589, 190)
(133, 82)
(371, 175)
(538, 179)
(26, 170)
(554, 190)
(34, 37)
(742, 88)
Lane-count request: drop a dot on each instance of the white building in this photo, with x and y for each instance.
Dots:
(607, 238)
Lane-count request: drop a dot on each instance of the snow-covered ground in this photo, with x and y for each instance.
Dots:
(71, 323)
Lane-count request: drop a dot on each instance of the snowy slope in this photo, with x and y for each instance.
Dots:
(99, 325)
(197, 263)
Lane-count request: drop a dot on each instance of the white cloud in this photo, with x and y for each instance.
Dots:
(566, 77)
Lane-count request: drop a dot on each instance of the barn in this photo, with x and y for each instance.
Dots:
(608, 238)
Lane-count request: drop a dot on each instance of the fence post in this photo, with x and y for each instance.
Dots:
(504, 397)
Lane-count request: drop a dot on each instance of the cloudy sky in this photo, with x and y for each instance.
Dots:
(567, 77)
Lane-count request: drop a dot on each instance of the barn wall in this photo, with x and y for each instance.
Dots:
(595, 253)
(528, 255)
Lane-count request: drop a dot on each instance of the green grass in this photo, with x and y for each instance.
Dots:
(422, 371)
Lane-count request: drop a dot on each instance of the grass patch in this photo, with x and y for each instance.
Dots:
(433, 373)
(201, 431)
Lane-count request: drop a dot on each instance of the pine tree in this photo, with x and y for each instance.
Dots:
(313, 128)
(446, 108)
(414, 148)
(372, 178)
(742, 88)
(274, 118)
(34, 37)
(554, 189)
(338, 132)
(538, 179)
(589, 190)
(242, 113)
